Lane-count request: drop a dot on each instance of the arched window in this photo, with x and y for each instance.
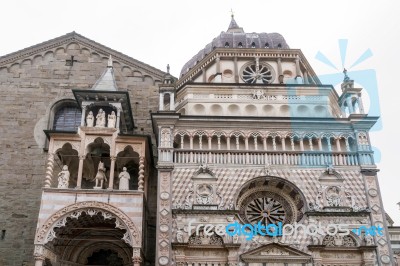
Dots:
(65, 116)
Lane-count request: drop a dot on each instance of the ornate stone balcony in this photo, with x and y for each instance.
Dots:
(294, 158)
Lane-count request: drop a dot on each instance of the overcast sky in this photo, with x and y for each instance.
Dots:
(171, 32)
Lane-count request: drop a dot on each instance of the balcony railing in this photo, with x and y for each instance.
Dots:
(296, 158)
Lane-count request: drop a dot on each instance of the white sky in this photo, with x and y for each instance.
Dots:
(171, 32)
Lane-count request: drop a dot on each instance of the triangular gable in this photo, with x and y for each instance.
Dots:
(73, 37)
(275, 253)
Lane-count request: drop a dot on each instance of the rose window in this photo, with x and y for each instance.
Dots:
(265, 210)
(257, 73)
(270, 200)
(266, 207)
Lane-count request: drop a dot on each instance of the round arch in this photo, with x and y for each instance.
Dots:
(274, 191)
(46, 231)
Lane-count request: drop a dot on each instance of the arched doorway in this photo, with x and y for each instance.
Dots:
(86, 233)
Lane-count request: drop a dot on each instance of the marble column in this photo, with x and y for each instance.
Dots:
(80, 170)
(112, 169)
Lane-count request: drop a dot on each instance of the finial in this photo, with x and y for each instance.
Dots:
(110, 62)
(168, 68)
(232, 15)
(346, 78)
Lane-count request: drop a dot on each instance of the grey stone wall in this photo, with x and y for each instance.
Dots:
(28, 87)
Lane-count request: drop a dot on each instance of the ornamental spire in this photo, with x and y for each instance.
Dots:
(233, 26)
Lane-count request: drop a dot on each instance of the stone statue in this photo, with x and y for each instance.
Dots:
(111, 120)
(369, 240)
(315, 240)
(124, 179)
(63, 177)
(100, 176)
(179, 236)
(101, 118)
(89, 119)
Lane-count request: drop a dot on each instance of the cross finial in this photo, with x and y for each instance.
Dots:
(168, 68)
(232, 15)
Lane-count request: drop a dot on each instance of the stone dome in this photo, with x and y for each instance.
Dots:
(235, 37)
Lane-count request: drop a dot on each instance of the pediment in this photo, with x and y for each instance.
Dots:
(275, 253)
(82, 48)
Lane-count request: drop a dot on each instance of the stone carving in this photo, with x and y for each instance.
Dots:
(203, 239)
(338, 241)
(46, 231)
(368, 239)
(165, 137)
(124, 178)
(179, 236)
(267, 169)
(373, 192)
(63, 177)
(136, 257)
(204, 194)
(90, 119)
(317, 205)
(315, 240)
(111, 120)
(189, 198)
(231, 205)
(100, 176)
(258, 95)
(101, 118)
(333, 196)
(274, 251)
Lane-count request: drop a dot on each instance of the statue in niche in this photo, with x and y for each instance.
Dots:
(124, 179)
(90, 119)
(101, 118)
(111, 120)
(100, 176)
(63, 177)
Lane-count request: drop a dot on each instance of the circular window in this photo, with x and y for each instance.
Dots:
(257, 73)
(266, 207)
(270, 200)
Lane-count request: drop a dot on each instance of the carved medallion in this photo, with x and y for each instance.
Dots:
(164, 195)
(373, 192)
(385, 259)
(163, 260)
(164, 228)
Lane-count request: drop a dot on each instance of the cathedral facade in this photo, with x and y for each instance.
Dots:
(246, 159)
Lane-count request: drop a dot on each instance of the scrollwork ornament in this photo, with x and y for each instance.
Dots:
(46, 231)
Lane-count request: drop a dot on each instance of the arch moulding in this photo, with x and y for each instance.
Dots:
(45, 232)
